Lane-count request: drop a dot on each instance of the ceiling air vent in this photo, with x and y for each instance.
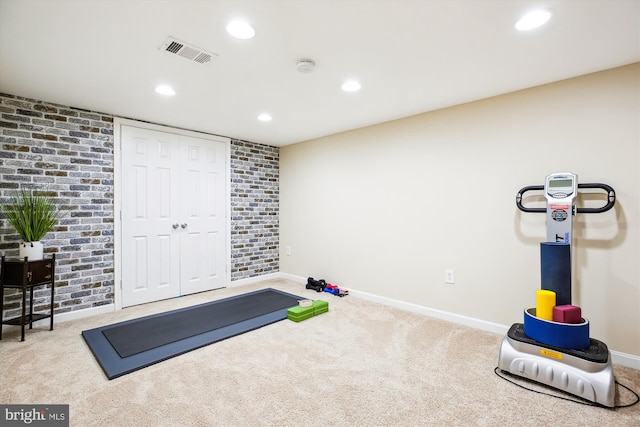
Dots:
(190, 52)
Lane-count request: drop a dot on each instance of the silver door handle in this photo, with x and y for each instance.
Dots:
(175, 226)
(184, 225)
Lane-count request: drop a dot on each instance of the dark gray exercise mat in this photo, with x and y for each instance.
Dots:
(246, 317)
(157, 330)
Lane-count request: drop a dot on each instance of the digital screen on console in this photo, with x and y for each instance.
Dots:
(554, 183)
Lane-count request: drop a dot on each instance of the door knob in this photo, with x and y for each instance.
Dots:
(175, 226)
(184, 225)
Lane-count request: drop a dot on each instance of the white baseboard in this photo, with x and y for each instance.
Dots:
(87, 312)
(255, 279)
(624, 359)
(431, 312)
(79, 314)
(295, 278)
(71, 315)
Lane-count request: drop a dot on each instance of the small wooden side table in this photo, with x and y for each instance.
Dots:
(27, 275)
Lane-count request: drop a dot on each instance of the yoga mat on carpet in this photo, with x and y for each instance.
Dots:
(152, 339)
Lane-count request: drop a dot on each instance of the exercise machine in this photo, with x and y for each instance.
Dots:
(551, 356)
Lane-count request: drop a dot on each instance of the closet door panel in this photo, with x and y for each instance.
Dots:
(150, 244)
(201, 201)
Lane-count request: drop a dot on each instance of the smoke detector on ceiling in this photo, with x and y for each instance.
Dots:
(305, 65)
(190, 52)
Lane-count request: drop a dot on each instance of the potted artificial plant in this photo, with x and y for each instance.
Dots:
(33, 214)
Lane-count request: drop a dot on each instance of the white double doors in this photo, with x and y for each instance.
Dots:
(173, 236)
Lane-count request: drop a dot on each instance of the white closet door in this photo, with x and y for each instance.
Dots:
(202, 196)
(173, 215)
(150, 244)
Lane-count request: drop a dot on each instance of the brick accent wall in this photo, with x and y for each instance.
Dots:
(255, 199)
(70, 151)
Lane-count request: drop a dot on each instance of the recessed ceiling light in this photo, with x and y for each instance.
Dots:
(165, 90)
(533, 20)
(351, 86)
(264, 117)
(241, 30)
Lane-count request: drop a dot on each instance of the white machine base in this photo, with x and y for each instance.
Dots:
(593, 381)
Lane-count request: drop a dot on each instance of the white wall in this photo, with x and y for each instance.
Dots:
(387, 208)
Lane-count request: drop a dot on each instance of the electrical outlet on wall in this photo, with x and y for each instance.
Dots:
(449, 277)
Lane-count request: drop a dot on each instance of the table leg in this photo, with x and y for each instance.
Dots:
(24, 310)
(31, 308)
(52, 296)
(1, 307)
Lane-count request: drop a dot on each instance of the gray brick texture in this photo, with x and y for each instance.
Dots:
(70, 151)
(255, 199)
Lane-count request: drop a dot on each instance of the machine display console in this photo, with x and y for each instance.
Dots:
(561, 191)
(560, 186)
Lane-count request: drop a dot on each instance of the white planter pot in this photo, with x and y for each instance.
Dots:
(33, 250)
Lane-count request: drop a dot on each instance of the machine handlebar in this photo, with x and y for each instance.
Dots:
(519, 199)
(611, 198)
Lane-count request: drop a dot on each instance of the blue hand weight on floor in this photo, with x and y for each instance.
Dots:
(555, 263)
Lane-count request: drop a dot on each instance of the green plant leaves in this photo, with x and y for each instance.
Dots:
(32, 213)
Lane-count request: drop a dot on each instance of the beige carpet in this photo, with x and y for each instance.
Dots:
(360, 364)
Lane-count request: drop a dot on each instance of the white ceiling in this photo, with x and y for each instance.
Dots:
(411, 56)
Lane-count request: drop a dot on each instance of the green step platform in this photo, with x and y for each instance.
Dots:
(298, 314)
(320, 307)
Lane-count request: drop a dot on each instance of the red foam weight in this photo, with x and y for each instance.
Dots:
(567, 314)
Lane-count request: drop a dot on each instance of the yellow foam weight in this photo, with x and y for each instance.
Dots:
(545, 301)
